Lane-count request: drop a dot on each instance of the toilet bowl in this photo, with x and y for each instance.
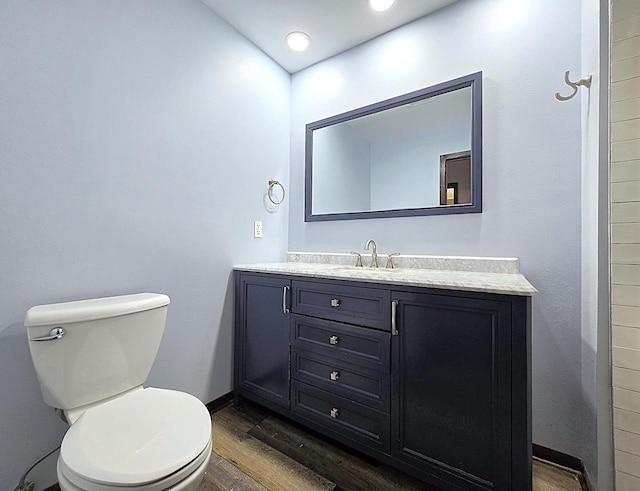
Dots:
(150, 439)
(122, 436)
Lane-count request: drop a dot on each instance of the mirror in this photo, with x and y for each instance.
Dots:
(415, 154)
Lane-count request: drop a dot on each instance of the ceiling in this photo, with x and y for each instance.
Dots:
(333, 25)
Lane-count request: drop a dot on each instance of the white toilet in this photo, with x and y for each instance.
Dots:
(91, 358)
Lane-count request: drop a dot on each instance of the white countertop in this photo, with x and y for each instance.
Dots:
(511, 283)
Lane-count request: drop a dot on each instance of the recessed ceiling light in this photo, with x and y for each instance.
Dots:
(298, 41)
(381, 5)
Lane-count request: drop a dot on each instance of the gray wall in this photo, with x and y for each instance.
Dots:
(136, 142)
(137, 138)
(532, 170)
(405, 173)
(342, 170)
(596, 333)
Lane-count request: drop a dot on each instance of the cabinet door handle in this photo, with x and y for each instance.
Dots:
(334, 412)
(334, 340)
(394, 325)
(335, 375)
(285, 292)
(335, 302)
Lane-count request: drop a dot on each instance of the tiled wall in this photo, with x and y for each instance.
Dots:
(625, 239)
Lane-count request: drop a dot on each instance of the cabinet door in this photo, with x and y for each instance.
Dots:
(452, 389)
(262, 338)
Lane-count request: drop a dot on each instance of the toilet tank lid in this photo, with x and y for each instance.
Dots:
(93, 309)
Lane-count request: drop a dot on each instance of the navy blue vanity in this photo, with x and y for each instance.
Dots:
(433, 381)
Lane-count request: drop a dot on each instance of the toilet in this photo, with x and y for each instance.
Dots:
(91, 358)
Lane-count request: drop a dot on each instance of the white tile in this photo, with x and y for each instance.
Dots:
(624, 29)
(627, 48)
(624, 10)
(626, 150)
(625, 89)
(627, 109)
(627, 482)
(625, 191)
(625, 274)
(625, 171)
(625, 130)
(628, 212)
(627, 442)
(625, 399)
(625, 295)
(627, 358)
(625, 233)
(625, 253)
(628, 463)
(626, 420)
(624, 315)
(626, 378)
(625, 69)
(626, 337)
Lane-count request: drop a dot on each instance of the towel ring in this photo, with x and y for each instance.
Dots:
(272, 184)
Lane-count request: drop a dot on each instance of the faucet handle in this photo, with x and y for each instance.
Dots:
(358, 260)
(390, 260)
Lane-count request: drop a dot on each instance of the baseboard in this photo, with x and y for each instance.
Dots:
(220, 402)
(564, 460)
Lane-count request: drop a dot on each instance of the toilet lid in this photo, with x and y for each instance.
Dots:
(138, 438)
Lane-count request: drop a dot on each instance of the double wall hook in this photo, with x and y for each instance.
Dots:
(586, 82)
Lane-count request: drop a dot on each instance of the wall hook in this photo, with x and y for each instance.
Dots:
(586, 82)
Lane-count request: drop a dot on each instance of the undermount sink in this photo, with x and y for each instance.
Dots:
(364, 270)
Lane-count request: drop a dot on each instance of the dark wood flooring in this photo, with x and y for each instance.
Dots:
(257, 450)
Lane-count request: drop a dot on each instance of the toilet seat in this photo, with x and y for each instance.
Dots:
(185, 478)
(148, 439)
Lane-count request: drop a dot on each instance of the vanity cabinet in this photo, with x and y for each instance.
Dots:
(452, 387)
(434, 382)
(262, 339)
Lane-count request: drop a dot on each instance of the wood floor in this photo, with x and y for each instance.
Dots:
(256, 450)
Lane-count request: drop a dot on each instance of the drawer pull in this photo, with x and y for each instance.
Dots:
(335, 302)
(334, 412)
(334, 340)
(335, 375)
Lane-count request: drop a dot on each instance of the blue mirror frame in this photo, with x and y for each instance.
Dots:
(475, 206)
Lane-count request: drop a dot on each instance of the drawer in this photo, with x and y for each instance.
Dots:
(356, 305)
(363, 385)
(354, 345)
(348, 418)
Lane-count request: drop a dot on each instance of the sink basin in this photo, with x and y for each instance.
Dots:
(365, 269)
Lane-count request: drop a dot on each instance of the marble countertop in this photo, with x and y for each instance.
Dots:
(509, 283)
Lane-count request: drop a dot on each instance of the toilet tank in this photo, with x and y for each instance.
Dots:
(108, 346)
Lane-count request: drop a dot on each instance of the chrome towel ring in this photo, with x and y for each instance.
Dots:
(272, 184)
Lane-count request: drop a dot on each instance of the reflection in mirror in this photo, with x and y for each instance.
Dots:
(455, 178)
(417, 154)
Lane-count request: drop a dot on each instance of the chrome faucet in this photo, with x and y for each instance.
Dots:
(374, 254)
